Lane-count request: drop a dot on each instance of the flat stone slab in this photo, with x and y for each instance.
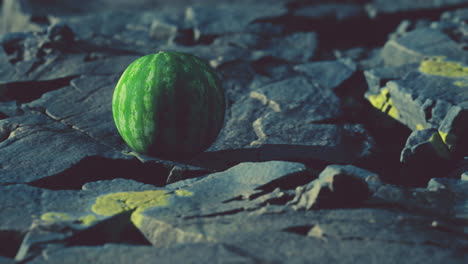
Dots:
(299, 172)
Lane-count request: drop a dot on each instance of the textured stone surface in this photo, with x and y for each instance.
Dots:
(344, 139)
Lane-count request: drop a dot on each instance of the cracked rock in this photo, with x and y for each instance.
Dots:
(298, 133)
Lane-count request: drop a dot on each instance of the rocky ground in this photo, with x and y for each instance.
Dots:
(345, 138)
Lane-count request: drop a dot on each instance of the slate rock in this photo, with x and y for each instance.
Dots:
(453, 127)
(429, 98)
(256, 128)
(378, 77)
(23, 203)
(23, 163)
(120, 254)
(56, 217)
(335, 187)
(458, 188)
(36, 58)
(434, 203)
(242, 180)
(101, 211)
(372, 179)
(328, 74)
(425, 156)
(84, 105)
(414, 46)
(350, 234)
(235, 189)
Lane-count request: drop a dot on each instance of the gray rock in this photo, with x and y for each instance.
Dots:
(434, 203)
(72, 191)
(384, 7)
(378, 77)
(414, 46)
(85, 105)
(77, 216)
(372, 179)
(256, 130)
(328, 74)
(350, 234)
(457, 188)
(453, 127)
(233, 190)
(23, 163)
(427, 100)
(425, 156)
(333, 11)
(336, 186)
(120, 254)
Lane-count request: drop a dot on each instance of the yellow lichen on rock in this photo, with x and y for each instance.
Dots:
(55, 217)
(115, 203)
(384, 103)
(439, 145)
(438, 66)
(88, 220)
(183, 193)
(461, 83)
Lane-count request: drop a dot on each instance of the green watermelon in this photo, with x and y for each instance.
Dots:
(169, 105)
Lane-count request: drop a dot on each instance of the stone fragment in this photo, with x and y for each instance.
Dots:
(432, 97)
(336, 187)
(458, 189)
(425, 147)
(425, 156)
(416, 45)
(421, 200)
(328, 74)
(378, 77)
(23, 163)
(84, 105)
(372, 179)
(453, 127)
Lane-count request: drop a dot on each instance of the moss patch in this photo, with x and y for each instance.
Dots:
(438, 66)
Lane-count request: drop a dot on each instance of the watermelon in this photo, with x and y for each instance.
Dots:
(169, 105)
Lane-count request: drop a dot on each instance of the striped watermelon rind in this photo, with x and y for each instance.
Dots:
(169, 105)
